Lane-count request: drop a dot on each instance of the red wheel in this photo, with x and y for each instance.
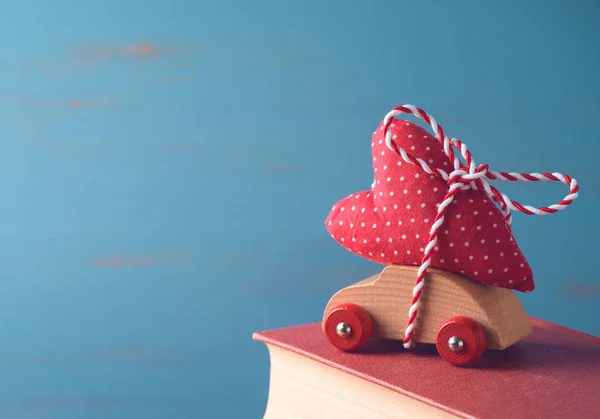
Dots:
(348, 327)
(460, 341)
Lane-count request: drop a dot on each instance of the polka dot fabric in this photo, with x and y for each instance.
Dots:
(390, 223)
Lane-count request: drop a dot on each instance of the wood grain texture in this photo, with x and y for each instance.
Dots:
(387, 298)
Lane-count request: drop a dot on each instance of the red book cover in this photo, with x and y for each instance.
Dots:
(555, 372)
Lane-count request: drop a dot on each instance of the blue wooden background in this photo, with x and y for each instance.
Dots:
(166, 167)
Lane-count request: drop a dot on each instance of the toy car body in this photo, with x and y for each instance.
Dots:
(460, 316)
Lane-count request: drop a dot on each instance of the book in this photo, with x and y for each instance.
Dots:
(552, 373)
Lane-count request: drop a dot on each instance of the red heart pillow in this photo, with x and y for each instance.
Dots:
(390, 223)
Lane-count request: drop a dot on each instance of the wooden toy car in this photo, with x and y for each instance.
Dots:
(460, 316)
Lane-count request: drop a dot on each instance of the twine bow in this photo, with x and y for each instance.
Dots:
(464, 177)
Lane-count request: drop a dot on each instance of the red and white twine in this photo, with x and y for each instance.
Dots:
(464, 177)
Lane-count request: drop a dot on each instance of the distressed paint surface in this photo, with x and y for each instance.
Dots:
(166, 169)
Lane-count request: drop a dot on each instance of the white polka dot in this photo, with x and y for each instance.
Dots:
(399, 222)
(380, 141)
(390, 239)
(370, 253)
(471, 257)
(470, 201)
(435, 189)
(436, 248)
(412, 220)
(342, 239)
(417, 236)
(375, 209)
(409, 135)
(505, 269)
(419, 192)
(442, 261)
(362, 210)
(482, 241)
(446, 231)
(490, 213)
(351, 225)
(341, 222)
(445, 163)
(478, 227)
(457, 215)
(524, 278)
(451, 245)
(412, 147)
(373, 144)
(395, 252)
(399, 163)
(374, 158)
(516, 253)
(383, 255)
(380, 193)
(395, 206)
(430, 161)
(422, 250)
(485, 200)
(497, 240)
(391, 193)
(426, 220)
(427, 148)
(522, 265)
(378, 182)
(475, 212)
(362, 224)
(365, 241)
(408, 206)
(353, 239)
(490, 271)
(330, 222)
(383, 153)
(456, 260)
(475, 273)
(405, 191)
(374, 225)
(510, 281)
(423, 205)
(495, 225)
(416, 175)
(377, 239)
(501, 254)
(404, 236)
(384, 167)
(408, 252)
(485, 257)
(466, 244)
(388, 223)
(462, 229)
(388, 179)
